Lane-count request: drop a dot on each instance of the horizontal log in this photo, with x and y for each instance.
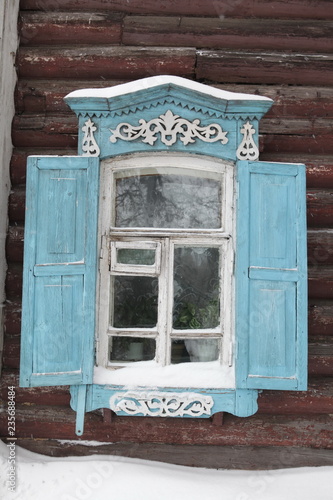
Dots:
(15, 243)
(215, 457)
(104, 62)
(319, 208)
(37, 130)
(265, 67)
(320, 247)
(320, 318)
(50, 28)
(12, 317)
(320, 282)
(19, 160)
(46, 96)
(227, 33)
(299, 9)
(259, 430)
(53, 396)
(317, 399)
(14, 282)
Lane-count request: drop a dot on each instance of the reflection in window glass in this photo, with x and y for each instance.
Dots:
(131, 349)
(135, 301)
(134, 256)
(196, 288)
(168, 201)
(194, 350)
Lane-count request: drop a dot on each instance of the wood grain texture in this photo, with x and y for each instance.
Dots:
(51, 422)
(310, 36)
(240, 8)
(104, 62)
(262, 67)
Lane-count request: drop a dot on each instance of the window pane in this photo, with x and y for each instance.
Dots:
(168, 201)
(131, 349)
(135, 301)
(195, 350)
(196, 288)
(136, 256)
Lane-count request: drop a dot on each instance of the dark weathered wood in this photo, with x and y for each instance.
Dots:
(12, 317)
(320, 208)
(320, 282)
(265, 67)
(215, 457)
(104, 62)
(259, 430)
(14, 244)
(294, 35)
(50, 28)
(299, 9)
(53, 396)
(37, 130)
(46, 96)
(320, 318)
(14, 282)
(320, 247)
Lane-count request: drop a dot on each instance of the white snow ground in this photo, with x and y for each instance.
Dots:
(102, 477)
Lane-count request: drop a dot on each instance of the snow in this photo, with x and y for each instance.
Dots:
(108, 477)
(209, 375)
(154, 81)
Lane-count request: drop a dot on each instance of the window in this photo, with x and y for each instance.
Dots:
(165, 266)
(166, 226)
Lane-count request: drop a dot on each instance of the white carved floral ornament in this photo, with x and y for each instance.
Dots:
(169, 126)
(162, 404)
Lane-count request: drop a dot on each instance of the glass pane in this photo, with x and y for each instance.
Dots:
(168, 201)
(195, 350)
(136, 256)
(196, 288)
(135, 301)
(131, 349)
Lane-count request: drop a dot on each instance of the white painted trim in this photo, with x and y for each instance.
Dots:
(9, 10)
(222, 238)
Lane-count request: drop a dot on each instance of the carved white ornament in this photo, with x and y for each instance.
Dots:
(89, 144)
(247, 149)
(162, 404)
(169, 126)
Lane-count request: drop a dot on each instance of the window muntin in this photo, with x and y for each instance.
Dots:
(133, 253)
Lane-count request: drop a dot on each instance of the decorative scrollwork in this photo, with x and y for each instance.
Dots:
(89, 144)
(247, 150)
(162, 404)
(169, 126)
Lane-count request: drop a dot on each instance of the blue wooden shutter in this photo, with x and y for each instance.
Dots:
(271, 279)
(58, 310)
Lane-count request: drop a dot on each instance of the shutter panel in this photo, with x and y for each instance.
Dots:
(58, 309)
(271, 279)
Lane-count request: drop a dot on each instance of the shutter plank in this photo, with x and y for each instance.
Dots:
(271, 277)
(59, 271)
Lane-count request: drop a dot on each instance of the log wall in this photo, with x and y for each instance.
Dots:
(279, 49)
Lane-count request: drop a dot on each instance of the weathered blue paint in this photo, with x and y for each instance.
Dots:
(240, 402)
(59, 271)
(271, 278)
